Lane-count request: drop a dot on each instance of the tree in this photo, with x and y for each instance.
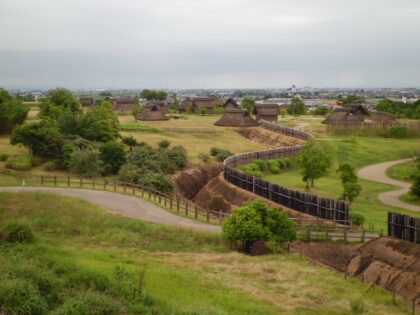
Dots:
(154, 95)
(248, 104)
(351, 99)
(113, 156)
(254, 221)
(58, 102)
(315, 163)
(347, 173)
(131, 142)
(297, 107)
(12, 112)
(42, 139)
(175, 105)
(415, 187)
(86, 162)
(351, 191)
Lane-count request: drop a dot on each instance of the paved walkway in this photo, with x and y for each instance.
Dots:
(125, 205)
(377, 173)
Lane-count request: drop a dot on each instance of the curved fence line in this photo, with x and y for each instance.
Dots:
(325, 208)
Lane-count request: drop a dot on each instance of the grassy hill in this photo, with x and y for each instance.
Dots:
(85, 260)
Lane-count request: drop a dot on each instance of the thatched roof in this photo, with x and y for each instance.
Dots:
(163, 106)
(208, 103)
(86, 101)
(266, 109)
(236, 118)
(230, 104)
(350, 113)
(151, 113)
(123, 104)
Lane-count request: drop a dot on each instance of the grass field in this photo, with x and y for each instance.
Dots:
(403, 171)
(84, 258)
(359, 152)
(196, 133)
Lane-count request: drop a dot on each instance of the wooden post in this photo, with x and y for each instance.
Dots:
(104, 184)
(134, 191)
(207, 215)
(115, 185)
(326, 233)
(142, 192)
(68, 181)
(170, 203)
(177, 205)
(164, 200)
(93, 183)
(160, 197)
(220, 216)
(195, 212)
(55, 180)
(81, 182)
(42, 179)
(363, 236)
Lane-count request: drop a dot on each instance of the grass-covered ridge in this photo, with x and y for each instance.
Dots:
(87, 261)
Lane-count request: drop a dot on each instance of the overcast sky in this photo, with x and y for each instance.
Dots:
(209, 43)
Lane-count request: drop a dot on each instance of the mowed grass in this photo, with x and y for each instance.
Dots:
(403, 171)
(196, 133)
(359, 152)
(78, 247)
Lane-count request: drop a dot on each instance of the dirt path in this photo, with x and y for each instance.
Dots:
(377, 173)
(125, 205)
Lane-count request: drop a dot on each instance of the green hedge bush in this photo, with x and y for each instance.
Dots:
(20, 163)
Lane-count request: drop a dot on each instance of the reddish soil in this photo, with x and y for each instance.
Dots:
(268, 138)
(392, 264)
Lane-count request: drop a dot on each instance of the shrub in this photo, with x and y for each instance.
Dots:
(287, 162)
(261, 164)
(281, 164)
(4, 157)
(273, 166)
(86, 162)
(321, 111)
(20, 163)
(17, 233)
(113, 156)
(204, 157)
(214, 151)
(50, 166)
(397, 132)
(164, 144)
(357, 218)
(88, 279)
(357, 306)
(251, 170)
(203, 111)
(21, 297)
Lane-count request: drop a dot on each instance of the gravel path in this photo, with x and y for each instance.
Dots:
(377, 173)
(125, 205)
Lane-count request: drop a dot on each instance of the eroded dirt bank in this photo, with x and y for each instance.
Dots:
(390, 263)
(268, 138)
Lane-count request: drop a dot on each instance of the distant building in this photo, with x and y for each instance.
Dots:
(348, 114)
(236, 118)
(123, 104)
(209, 103)
(151, 112)
(230, 104)
(268, 112)
(87, 101)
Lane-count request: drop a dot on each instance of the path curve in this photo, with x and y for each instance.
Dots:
(125, 205)
(377, 173)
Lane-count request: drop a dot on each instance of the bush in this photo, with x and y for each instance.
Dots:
(273, 166)
(113, 156)
(251, 169)
(21, 297)
(4, 157)
(397, 132)
(20, 163)
(50, 166)
(204, 157)
(357, 306)
(220, 154)
(262, 165)
(88, 279)
(357, 219)
(17, 233)
(287, 162)
(86, 162)
(164, 144)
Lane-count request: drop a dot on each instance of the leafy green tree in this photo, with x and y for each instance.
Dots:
(175, 105)
(203, 111)
(315, 164)
(347, 173)
(57, 102)
(12, 112)
(415, 187)
(351, 99)
(351, 191)
(154, 95)
(297, 107)
(248, 104)
(130, 141)
(42, 139)
(113, 156)
(86, 162)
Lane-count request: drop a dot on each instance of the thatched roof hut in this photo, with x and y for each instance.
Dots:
(151, 113)
(348, 114)
(123, 104)
(87, 101)
(230, 104)
(236, 118)
(163, 106)
(209, 103)
(382, 117)
(268, 112)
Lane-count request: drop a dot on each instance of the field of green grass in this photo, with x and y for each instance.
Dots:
(403, 171)
(359, 152)
(87, 261)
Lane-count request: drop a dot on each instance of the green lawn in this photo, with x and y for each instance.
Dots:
(403, 171)
(359, 152)
(86, 258)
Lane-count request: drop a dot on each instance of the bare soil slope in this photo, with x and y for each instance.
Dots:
(268, 138)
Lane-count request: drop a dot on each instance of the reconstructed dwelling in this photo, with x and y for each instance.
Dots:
(382, 117)
(163, 106)
(348, 114)
(87, 101)
(151, 112)
(236, 118)
(230, 104)
(209, 103)
(268, 112)
(123, 104)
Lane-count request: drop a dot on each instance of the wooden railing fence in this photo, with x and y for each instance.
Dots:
(373, 125)
(404, 227)
(329, 209)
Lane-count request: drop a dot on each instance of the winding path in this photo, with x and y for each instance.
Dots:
(125, 205)
(377, 173)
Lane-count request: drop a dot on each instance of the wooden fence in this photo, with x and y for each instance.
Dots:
(404, 227)
(175, 203)
(373, 125)
(329, 209)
